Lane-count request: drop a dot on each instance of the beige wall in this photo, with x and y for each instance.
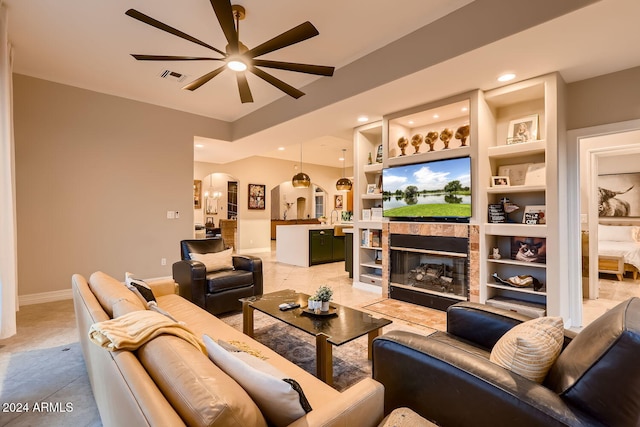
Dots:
(95, 176)
(610, 98)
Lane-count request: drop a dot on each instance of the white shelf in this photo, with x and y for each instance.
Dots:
(374, 225)
(375, 196)
(371, 265)
(377, 248)
(515, 229)
(430, 156)
(517, 189)
(515, 262)
(516, 150)
(514, 289)
(373, 168)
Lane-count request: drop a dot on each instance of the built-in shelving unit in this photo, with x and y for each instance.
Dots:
(532, 166)
(367, 195)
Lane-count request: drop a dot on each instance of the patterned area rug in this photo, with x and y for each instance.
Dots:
(350, 363)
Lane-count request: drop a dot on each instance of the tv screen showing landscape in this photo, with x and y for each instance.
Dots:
(431, 190)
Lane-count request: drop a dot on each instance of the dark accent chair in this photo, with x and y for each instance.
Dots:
(448, 378)
(218, 291)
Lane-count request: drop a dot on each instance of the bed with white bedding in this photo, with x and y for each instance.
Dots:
(619, 249)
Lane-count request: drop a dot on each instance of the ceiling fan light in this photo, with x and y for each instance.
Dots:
(344, 184)
(301, 180)
(237, 65)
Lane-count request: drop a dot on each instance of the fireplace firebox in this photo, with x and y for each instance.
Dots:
(432, 271)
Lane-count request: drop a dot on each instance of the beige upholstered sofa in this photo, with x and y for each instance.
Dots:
(169, 382)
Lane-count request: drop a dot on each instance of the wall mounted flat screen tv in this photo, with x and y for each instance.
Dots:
(438, 190)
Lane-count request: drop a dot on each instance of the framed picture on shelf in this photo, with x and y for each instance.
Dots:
(379, 154)
(529, 249)
(256, 196)
(371, 188)
(500, 181)
(534, 214)
(376, 214)
(338, 200)
(535, 174)
(517, 173)
(523, 130)
(366, 214)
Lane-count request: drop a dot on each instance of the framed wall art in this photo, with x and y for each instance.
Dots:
(338, 201)
(256, 196)
(619, 195)
(523, 130)
(197, 194)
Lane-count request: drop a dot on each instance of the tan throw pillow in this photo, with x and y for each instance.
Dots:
(215, 261)
(530, 348)
(281, 400)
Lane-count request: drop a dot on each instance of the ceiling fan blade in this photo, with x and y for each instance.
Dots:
(164, 27)
(172, 58)
(286, 88)
(291, 66)
(204, 79)
(295, 35)
(224, 12)
(243, 87)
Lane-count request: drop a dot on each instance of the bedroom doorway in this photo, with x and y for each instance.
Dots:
(597, 151)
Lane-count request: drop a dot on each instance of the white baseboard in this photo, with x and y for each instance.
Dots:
(368, 287)
(40, 298)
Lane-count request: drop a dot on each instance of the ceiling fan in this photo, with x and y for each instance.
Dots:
(237, 56)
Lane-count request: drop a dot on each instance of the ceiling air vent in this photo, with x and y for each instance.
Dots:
(173, 75)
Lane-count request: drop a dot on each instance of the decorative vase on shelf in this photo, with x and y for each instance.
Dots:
(402, 143)
(445, 137)
(462, 134)
(431, 139)
(416, 141)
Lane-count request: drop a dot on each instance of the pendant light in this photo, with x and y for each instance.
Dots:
(344, 183)
(301, 179)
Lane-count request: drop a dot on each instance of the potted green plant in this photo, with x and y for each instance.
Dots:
(324, 294)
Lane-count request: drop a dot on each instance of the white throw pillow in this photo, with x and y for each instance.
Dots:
(530, 348)
(616, 233)
(215, 261)
(280, 399)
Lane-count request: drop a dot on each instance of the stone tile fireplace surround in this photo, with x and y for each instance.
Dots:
(463, 231)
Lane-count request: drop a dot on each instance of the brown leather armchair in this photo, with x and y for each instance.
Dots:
(218, 291)
(448, 378)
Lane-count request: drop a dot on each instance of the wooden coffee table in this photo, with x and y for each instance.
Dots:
(345, 325)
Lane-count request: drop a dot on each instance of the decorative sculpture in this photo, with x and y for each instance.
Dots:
(431, 139)
(462, 134)
(416, 141)
(402, 143)
(445, 136)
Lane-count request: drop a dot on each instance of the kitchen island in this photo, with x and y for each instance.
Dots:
(305, 245)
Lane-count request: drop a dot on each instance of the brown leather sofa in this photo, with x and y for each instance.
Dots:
(169, 382)
(448, 378)
(218, 291)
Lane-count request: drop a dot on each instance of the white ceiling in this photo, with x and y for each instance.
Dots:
(87, 44)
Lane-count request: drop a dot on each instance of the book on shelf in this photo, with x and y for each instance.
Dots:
(366, 214)
(371, 238)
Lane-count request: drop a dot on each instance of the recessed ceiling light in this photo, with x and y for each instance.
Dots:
(464, 108)
(199, 146)
(340, 159)
(411, 122)
(435, 116)
(506, 77)
(280, 148)
(363, 119)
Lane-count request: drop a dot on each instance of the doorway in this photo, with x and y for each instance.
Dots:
(597, 151)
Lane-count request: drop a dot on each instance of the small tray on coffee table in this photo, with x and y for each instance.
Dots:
(333, 311)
